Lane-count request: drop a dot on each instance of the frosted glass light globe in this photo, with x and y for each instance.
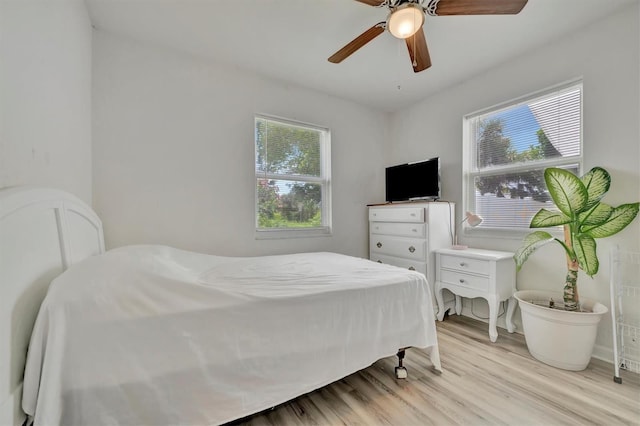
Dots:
(405, 20)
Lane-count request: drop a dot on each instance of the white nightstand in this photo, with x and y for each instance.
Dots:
(477, 273)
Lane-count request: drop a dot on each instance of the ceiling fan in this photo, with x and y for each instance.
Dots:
(406, 18)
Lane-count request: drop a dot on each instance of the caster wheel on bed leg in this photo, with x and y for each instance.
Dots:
(401, 373)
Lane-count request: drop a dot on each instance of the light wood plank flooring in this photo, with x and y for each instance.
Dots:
(483, 383)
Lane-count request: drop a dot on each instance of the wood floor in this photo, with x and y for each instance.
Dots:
(483, 383)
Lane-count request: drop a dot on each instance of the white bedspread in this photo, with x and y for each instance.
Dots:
(159, 336)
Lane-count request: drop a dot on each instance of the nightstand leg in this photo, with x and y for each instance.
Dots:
(458, 305)
(511, 307)
(493, 317)
(440, 302)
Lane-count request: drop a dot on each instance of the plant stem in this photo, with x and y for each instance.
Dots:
(571, 298)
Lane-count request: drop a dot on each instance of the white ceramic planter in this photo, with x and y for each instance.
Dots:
(562, 339)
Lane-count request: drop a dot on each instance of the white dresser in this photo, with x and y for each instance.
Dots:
(482, 273)
(405, 234)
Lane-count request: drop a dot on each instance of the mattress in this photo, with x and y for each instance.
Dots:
(157, 335)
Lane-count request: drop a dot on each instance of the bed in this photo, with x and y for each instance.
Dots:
(155, 335)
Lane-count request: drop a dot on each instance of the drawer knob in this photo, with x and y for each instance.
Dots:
(461, 281)
(411, 268)
(379, 244)
(413, 214)
(412, 249)
(463, 264)
(414, 230)
(379, 261)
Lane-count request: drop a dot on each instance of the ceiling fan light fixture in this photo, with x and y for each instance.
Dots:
(405, 20)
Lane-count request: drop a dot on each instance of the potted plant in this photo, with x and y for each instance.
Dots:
(560, 329)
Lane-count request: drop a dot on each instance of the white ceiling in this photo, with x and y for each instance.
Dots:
(290, 40)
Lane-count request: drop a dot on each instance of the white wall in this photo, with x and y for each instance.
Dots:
(174, 152)
(45, 112)
(606, 55)
(45, 95)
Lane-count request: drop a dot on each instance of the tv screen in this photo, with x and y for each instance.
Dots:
(413, 181)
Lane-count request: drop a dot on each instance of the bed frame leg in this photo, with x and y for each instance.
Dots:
(401, 371)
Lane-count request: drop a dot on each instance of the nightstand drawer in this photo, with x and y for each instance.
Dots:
(409, 248)
(399, 229)
(400, 214)
(465, 280)
(465, 264)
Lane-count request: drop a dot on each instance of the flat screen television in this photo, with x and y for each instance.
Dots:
(413, 181)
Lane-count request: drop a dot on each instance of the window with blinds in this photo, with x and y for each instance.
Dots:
(292, 178)
(507, 148)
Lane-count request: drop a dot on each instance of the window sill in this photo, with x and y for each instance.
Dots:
(504, 233)
(272, 234)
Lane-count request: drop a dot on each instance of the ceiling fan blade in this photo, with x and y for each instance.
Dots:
(357, 43)
(474, 7)
(418, 51)
(372, 2)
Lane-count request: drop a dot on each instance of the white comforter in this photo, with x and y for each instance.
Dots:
(154, 335)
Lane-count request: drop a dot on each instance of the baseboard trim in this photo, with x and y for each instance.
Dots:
(604, 353)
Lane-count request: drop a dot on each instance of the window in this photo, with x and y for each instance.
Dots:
(507, 148)
(293, 195)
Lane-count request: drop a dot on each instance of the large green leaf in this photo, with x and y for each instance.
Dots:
(619, 219)
(597, 181)
(584, 247)
(567, 190)
(530, 244)
(596, 215)
(545, 218)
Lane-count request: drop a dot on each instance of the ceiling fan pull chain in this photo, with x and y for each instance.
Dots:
(415, 63)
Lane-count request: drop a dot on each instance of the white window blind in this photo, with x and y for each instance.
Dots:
(292, 177)
(507, 149)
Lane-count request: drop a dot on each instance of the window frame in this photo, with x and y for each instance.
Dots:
(469, 157)
(324, 180)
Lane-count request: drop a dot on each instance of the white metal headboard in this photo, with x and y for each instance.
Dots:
(42, 232)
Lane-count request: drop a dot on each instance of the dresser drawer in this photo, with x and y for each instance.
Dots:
(465, 264)
(396, 214)
(399, 229)
(465, 280)
(409, 248)
(412, 265)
